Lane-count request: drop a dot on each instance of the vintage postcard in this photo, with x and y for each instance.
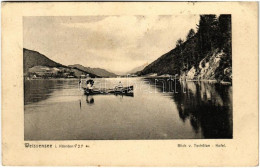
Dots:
(130, 83)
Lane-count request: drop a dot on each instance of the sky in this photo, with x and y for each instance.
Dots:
(115, 43)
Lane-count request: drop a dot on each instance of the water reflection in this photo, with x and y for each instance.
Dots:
(38, 90)
(59, 110)
(207, 106)
(90, 100)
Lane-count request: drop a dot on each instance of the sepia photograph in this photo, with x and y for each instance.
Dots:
(135, 84)
(128, 77)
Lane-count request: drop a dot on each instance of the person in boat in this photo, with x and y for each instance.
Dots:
(119, 86)
(89, 83)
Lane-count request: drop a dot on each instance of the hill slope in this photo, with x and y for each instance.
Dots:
(33, 58)
(97, 71)
(204, 55)
(103, 72)
(137, 69)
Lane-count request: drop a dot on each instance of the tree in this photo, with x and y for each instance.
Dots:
(179, 42)
(207, 31)
(225, 31)
(190, 34)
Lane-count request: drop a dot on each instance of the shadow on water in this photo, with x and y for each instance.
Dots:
(207, 106)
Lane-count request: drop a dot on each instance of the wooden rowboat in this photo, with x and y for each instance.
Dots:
(127, 91)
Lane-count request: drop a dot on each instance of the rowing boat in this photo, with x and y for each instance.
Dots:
(127, 91)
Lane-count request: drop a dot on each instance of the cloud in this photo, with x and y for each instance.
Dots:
(119, 43)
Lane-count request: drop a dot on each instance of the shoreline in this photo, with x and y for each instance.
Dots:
(151, 77)
(192, 80)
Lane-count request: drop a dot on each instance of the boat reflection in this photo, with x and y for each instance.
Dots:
(90, 100)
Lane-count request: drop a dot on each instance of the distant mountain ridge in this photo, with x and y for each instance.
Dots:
(97, 71)
(33, 59)
(137, 69)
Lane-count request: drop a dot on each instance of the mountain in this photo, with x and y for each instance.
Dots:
(137, 69)
(35, 62)
(103, 72)
(205, 54)
(33, 58)
(97, 71)
(81, 67)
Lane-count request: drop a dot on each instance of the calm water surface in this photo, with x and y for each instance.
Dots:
(57, 109)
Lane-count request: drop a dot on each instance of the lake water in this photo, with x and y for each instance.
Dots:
(57, 109)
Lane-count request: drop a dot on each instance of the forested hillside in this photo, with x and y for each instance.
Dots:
(204, 54)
